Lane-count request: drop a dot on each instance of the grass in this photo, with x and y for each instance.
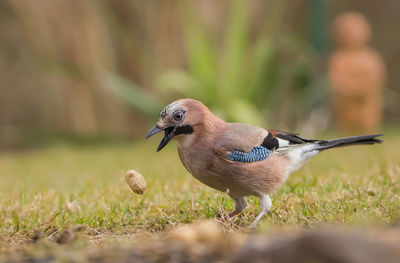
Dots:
(63, 185)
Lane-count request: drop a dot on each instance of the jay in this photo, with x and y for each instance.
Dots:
(239, 159)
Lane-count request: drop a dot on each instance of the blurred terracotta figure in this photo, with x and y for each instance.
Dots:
(357, 75)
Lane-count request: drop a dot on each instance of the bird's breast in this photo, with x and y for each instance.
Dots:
(201, 164)
(195, 160)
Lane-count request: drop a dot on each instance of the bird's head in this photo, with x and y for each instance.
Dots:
(179, 118)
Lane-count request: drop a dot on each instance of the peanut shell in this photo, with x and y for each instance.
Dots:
(136, 181)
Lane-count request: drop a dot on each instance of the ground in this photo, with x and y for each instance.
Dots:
(47, 190)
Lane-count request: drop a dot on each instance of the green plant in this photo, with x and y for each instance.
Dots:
(219, 74)
(241, 78)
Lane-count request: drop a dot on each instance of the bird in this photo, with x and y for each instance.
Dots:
(239, 159)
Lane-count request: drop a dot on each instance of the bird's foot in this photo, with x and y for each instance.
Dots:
(230, 215)
(254, 224)
(265, 206)
(233, 213)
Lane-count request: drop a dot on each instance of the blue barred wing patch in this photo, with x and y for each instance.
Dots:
(256, 154)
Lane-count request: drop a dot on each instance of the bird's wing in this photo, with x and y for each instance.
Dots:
(242, 143)
(246, 143)
(256, 154)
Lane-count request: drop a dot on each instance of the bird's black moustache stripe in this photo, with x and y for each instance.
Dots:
(270, 142)
(186, 129)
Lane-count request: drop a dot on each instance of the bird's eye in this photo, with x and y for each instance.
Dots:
(178, 115)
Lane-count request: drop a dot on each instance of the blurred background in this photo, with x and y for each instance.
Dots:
(83, 81)
(107, 68)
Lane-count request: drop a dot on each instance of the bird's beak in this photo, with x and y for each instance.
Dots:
(153, 131)
(169, 134)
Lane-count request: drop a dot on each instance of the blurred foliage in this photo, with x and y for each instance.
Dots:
(239, 78)
(130, 92)
(249, 61)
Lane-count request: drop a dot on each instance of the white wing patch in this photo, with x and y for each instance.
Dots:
(283, 142)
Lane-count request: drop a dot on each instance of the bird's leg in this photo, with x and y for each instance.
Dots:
(265, 206)
(240, 205)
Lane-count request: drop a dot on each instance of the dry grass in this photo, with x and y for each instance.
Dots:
(45, 191)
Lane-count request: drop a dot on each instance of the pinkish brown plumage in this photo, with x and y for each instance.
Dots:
(239, 159)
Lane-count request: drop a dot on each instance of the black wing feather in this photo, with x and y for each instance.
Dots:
(293, 138)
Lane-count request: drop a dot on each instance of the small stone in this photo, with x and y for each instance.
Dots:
(184, 234)
(66, 237)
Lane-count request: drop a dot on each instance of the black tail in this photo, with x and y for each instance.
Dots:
(355, 140)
